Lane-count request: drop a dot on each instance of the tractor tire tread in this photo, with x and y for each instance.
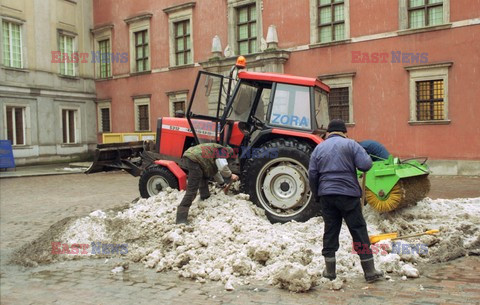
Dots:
(156, 171)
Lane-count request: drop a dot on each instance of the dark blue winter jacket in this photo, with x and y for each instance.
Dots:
(375, 149)
(333, 164)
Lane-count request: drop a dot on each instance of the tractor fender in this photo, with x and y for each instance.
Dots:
(298, 134)
(176, 170)
(270, 134)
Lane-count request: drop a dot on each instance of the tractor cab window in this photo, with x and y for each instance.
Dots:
(262, 107)
(321, 109)
(291, 107)
(243, 102)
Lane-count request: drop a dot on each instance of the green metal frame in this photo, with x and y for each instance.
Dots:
(385, 174)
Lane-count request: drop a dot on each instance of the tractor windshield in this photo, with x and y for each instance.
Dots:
(291, 107)
(321, 108)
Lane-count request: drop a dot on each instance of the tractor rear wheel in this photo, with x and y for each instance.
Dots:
(156, 179)
(276, 178)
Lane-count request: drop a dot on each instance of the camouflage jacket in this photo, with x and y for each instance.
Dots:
(205, 155)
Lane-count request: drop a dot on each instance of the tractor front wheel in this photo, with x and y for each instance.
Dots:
(156, 179)
(276, 178)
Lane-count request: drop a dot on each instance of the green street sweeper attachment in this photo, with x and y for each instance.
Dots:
(393, 183)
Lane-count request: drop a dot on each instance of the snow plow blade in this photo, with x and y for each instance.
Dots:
(118, 156)
(393, 184)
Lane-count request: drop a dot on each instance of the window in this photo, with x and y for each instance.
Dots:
(66, 45)
(331, 20)
(142, 114)
(247, 29)
(429, 100)
(183, 53)
(12, 44)
(105, 119)
(180, 33)
(105, 58)
(429, 93)
(141, 51)
(103, 114)
(291, 107)
(244, 26)
(16, 125)
(338, 104)
(423, 13)
(177, 101)
(143, 117)
(178, 106)
(340, 100)
(139, 32)
(69, 125)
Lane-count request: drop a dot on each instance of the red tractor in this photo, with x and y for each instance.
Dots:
(273, 122)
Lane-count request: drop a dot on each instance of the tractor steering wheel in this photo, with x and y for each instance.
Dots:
(259, 124)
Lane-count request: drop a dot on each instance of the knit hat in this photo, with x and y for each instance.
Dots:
(337, 125)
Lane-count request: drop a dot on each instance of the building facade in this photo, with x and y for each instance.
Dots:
(47, 105)
(401, 71)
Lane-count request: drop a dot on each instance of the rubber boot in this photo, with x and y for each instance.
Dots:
(330, 268)
(371, 274)
(182, 215)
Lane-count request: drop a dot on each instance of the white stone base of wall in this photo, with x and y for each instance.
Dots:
(454, 167)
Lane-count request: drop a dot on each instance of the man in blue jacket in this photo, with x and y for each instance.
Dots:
(333, 181)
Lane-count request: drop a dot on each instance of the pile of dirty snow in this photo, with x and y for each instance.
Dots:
(230, 240)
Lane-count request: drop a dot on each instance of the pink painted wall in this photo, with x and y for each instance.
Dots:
(381, 93)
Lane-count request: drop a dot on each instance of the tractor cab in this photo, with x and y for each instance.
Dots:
(237, 109)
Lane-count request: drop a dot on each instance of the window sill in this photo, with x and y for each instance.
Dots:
(104, 79)
(140, 73)
(22, 146)
(425, 29)
(436, 122)
(71, 145)
(172, 68)
(328, 44)
(350, 124)
(69, 77)
(15, 69)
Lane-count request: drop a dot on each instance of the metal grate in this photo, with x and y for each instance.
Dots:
(430, 100)
(178, 106)
(105, 119)
(143, 117)
(338, 104)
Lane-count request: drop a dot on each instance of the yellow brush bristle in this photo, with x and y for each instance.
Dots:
(388, 204)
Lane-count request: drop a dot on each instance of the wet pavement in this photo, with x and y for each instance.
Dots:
(29, 205)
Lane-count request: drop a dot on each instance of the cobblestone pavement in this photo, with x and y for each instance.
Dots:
(30, 205)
